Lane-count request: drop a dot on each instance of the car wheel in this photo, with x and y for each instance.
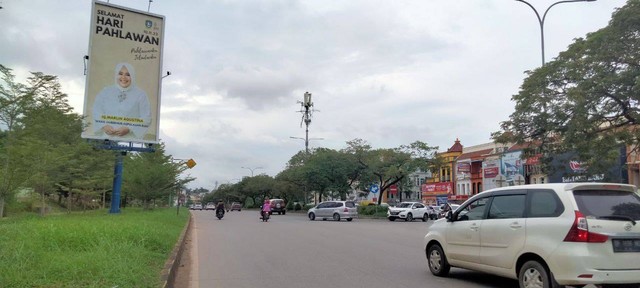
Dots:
(425, 217)
(336, 217)
(349, 219)
(438, 264)
(535, 275)
(409, 218)
(312, 216)
(391, 218)
(284, 212)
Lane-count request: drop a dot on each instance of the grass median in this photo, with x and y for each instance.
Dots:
(92, 249)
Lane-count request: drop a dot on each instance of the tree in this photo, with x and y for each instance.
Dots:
(35, 118)
(585, 101)
(257, 187)
(327, 171)
(152, 176)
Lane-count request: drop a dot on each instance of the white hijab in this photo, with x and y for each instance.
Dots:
(131, 72)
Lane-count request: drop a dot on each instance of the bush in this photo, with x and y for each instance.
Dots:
(372, 210)
(290, 206)
(308, 206)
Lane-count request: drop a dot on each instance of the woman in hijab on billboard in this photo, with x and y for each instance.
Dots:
(122, 110)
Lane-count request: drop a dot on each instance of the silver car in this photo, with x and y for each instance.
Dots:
(335, 210)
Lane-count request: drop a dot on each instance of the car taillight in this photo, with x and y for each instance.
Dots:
(579, 231)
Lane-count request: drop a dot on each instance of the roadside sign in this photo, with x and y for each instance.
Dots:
(374, 188)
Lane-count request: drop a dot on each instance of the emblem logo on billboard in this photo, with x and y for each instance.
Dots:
(577, 166)
(148, 23)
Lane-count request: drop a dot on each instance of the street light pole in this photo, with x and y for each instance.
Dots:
(252, 169)
(544, 16)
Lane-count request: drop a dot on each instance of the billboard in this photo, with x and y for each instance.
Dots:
(122, 93)
(490, 170)
(568, 168)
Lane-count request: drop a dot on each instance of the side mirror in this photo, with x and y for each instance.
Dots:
(449, 216)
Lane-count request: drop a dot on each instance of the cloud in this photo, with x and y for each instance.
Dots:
(388, 72)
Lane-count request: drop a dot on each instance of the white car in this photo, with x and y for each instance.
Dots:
(444, 208)
(335, 210)
(409, 211)
(543, 235)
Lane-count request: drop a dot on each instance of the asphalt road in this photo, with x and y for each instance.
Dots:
(290, 251)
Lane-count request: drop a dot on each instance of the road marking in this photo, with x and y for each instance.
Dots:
(195, 283)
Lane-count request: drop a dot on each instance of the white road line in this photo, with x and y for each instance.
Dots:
(194, 273)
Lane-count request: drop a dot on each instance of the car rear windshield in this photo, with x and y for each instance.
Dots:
(607, 203)
(350, 204)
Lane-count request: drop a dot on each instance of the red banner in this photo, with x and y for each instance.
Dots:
(491, 172)
(535, 160)
(393, 189)
(437, 188)
(464, 167)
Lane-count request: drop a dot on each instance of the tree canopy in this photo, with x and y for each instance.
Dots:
(585, 101)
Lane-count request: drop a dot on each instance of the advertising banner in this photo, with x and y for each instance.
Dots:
(437, 188)
(122, 93)
(464, 167)
(512, 167)
(490, 169)
(568, 168)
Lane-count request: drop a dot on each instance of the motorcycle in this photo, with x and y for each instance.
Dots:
(219, 213)
(264, 215)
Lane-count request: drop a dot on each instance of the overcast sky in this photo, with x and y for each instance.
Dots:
(389, 72)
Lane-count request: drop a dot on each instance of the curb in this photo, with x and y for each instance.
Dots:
(168, 274)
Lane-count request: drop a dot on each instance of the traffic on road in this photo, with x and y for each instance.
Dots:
(292, 251)
(547, 235)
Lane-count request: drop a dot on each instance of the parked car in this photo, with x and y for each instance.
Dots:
(278, 205)
(197, 206)
(335, 210)
(444, 208)
(210, 206)
(408, 211)
(236, 206)
(543, 235)
(434, 212)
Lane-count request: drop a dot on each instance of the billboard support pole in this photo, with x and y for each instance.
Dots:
(118, 168)
(117, 183)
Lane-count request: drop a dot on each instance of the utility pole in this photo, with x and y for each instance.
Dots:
(307, 111)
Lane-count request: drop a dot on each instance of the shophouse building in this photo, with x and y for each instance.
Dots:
(468, 171)
(440, 186)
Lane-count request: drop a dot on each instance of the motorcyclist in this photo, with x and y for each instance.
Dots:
(220, 207)
(266, 208)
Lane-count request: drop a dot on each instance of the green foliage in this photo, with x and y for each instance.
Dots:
(372, 210)
(587, 100)
(152, 176)
(125, 250)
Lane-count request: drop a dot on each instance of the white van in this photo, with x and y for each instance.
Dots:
(544, 235)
